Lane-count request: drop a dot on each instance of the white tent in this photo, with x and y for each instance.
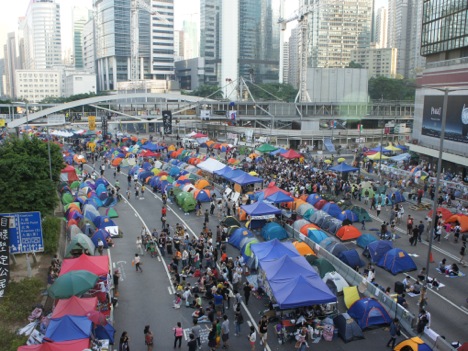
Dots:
(211, 165)
(339, 281)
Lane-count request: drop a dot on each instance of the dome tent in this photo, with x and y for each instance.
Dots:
(396, 261)
(377, 249)
(348, 329)
(274, 230)
(238, 235)
(368, 312)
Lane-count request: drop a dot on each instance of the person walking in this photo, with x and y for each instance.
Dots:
(207, 217)
(247, 291)
(462, 253)
(149, 338)
(395, 331)
(378, 209)
(196, 333)
(123, 343)
(252, 337)
(438, 232)
(225, 332)
(139, 246)
(137, 261)
(178, 333)
(238, 320)
(263, 330)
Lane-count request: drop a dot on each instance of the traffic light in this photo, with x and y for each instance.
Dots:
(167, 121)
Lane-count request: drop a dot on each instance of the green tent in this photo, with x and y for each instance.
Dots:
(79, 244)
(361, 213)
(266, 148)
(67, 206)
(188, 204)
(230, 221)
(323, 266)
(75, 184)
(111, 213)
(67, 198)
(176, 191)
(247, 249)
(231, 229)
(180, 198)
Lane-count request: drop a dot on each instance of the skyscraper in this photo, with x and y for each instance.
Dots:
(381, 27)
(80, 16)
(336, 28)
(210, 34)
(9, 54)
(162, 39)
(42, 35)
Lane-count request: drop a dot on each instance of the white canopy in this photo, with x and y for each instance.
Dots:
(211, 165)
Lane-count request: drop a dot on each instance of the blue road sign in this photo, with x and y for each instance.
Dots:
(25, 232)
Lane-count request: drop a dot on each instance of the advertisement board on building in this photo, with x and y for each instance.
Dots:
(56, 120)
(457, 117)
(25, 232)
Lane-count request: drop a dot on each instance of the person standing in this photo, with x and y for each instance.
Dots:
(252, 338)
(196, 333)
(247, 291)
(123, 343)
(394, 333)
(263, 330)
(149, 338)
(378, 209)
(116, 278)
(178, 333)
(462, 253)
(438, 232)
(139, 246)
(137, 261)
(238, 320)
(212, 337)
(192, 343)
(415, 236)
(225, 332)
(207, 217)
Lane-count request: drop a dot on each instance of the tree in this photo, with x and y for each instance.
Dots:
(382, 88)
(211, 91)
(24, 175)
(273, 91)
(353, 64)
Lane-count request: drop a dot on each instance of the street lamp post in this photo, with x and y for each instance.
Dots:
(48, 151)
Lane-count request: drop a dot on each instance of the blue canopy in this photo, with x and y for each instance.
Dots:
(246, 179)
(152, 147)
(286, 268)
(279, 197)
(273, 231)
(377, 249)
(223, 171)
(259, 209)
(236, 237)
(344, 168)
(273, 250)
(365, 239)
(69, 328)
(278, 151)
(301, 292)
(105, 332)
(381, 149)
(403, 157)
(233, 174)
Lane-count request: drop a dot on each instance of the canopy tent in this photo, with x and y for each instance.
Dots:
(316, 235)
(368, 312)
(348, 232)
(402, 157)
(344, 168)
(68, 174)
(273, 230)
(211, 165)
(291, 154)
(246, 179)
(377, 249)
(300, 292)
(273, 250)
(233, 174)
(105, 332)
(98, 265)
(348, 329)
(396, 261)
(68, 328)
(79, 244)
(377, 156)
(72, 345)
(271, 189)
(261, 210)
(221, 172)
(279, 197)
(238, 235)
(413, 344)
(446, 213)
(365, 239)
(279, 270)
(351, 258)
(75, 306)
(266, 148)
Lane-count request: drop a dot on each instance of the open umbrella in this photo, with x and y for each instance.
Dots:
(72, 284)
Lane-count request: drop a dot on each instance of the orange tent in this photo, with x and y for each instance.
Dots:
(201, 184)
(116, 161)
(295, 205)
(305, 228)
(348, 232)
(134, 138)
(446, 214)
(183, 177)
(242, 215)
(462, 219)
(79, 159)
(74, 207)
(171, 148)
(304, 197)
(209, 143)
(303, 248)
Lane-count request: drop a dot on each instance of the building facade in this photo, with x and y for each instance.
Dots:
(379, 62)
(336, 28)
(42, 35)
(293, 74)
(81, 16)
(444, 44)
(36, 85)
(381, 27)
(162, 40)
(210, 39)
(89, 53)
(10, 56)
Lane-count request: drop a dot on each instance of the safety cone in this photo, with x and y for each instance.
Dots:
(431, 259)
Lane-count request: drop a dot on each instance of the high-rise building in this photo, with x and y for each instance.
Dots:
(81, 16)
(162, 40)
(10, 56)
(42, 35)
(179, 45)
(293, 74)
(191, 39)
(444, 43)
(379, 62)
(381, 27)
(2, 69)
(336, 28)
(89, 54)
(286, 62)
(210, 39)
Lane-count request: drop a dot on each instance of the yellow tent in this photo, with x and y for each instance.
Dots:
(171, 148)
(414, 344)
(351, 295)
(376, 156)
(390, 147)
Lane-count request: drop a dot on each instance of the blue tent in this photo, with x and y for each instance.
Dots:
(223, 171)
(279, 197)
(301, 292)
(278, 151)
(203, 196)
(368, 312)
(152, 147)
(344, 168)
(147, 166)
(103, 221)
(100, 234)
(327, 241)
(246, 250)
(337, 248)
(316, 235)
(259, 209)
(238, 235)
(377, 249)
(273, 230)
(69, 328)
(106, 332)
(365, 239)
(332, 209)
(246, 179)
(280, 270)
(396, 197)
(313, 199)
(101, 188)
(273, 250)
(174, 172)
(396, 261)
(233, 174)
(101, 181)
(145, 174)
(350, 215)
(351, 258)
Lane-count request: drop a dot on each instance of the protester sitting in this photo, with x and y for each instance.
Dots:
(453, 270)
(415, 288)
(442, 265)
(177, 301)
(402, 301)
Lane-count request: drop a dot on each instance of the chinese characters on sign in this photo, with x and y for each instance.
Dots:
(25, 232)
(4, 255)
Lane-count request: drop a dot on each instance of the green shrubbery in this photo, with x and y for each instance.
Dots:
(51, 233)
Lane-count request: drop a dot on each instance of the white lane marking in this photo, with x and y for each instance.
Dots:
(169, 288)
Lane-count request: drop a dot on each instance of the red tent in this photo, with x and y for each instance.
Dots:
(68, 174)
(291, 154)
(198, 135)
(348, 232)
(148, 153)
(98, 265)
(75, 306)
(72, 345)
(271, 189)
(319, 204)
(446, 214)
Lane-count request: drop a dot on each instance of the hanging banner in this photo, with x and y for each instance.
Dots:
(4, 255)
(92, 122)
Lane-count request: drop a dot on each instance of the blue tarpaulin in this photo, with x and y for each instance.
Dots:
(246, 179)
(260, 209)
(344, 168)
(69, 328)
(279, 197)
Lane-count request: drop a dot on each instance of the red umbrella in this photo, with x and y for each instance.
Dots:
(97, 318)
(291, 154)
